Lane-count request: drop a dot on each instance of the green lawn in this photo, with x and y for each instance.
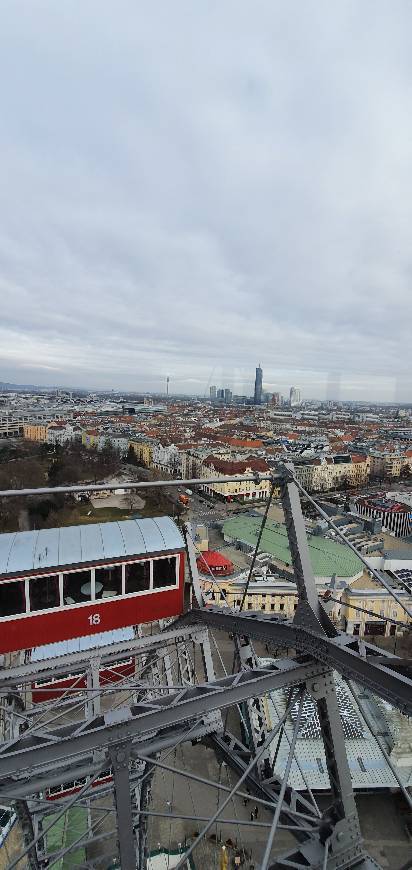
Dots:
(85, 513)
(103, 514)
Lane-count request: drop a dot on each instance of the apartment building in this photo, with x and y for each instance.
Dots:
(246, 490)
(35, 431)
(90, 438)
(167, 458)
(143, 451)
(193, 460)
(63, 433)
(332, 472)
(386, 464)
(374, 605)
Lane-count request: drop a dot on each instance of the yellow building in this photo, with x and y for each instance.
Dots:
(367, 595)
(305, 474)
(320, 475)
(246, 490)
(386, 464)
(275, 595)
(90, 438)
(143, 451)
(268, 595)
(35, 431)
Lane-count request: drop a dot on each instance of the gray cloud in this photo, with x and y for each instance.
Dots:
(188, 189)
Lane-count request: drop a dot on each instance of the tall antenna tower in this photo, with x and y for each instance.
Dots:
(167, 386)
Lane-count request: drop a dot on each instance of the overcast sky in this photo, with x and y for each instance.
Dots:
(191, 188)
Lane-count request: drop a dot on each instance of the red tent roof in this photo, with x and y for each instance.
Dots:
(212, 561)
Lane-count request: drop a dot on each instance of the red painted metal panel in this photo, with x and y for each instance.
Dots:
(69, 791)
(49, 691)
(26, 632)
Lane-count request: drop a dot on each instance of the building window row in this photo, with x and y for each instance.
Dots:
(46, 592)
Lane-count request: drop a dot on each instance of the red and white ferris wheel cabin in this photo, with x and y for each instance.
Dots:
(57, 584)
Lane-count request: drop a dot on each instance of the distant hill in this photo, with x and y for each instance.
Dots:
(23, 388)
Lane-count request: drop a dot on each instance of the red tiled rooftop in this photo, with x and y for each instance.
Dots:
(226, 466)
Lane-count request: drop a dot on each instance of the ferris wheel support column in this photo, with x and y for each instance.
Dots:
(340, 822)
(92, 706)
(120, 759)
(341, 833)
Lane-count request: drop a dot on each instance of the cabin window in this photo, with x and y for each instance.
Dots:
(137, 577)
(12, 598)
(44, 592)
(77, 587)
(164, 572)
(108, 581)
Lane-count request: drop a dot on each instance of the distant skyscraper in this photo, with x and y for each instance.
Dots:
(228, 396)
(294, 397)
(221, 394)
(212, 394)
(258, 386)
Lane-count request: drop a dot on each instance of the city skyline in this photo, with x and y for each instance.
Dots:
(50, 387)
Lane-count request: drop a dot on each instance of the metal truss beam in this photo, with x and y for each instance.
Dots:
(137, 484)
(310, 611)
(295, 808)
(60, 773)
(386, 675)
(60, 666)
(144, 729)
(120, 758)
(139, 721)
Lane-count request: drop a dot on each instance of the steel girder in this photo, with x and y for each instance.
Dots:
(138, 722)
(386, 675)
(157, 723)
(59, 773)
(79, 662)
(229, 749)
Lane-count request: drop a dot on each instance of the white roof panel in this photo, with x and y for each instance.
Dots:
(91, 541)
(133, 540)
(22, 552)
(70, 552)
(47, 549)
(367, 765)
(169, 532)
(153, 538)
(112, 541)
(6, 543)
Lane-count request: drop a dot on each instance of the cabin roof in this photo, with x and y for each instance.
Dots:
(27, 552)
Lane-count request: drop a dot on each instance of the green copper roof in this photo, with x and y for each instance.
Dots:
(327, 557)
